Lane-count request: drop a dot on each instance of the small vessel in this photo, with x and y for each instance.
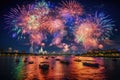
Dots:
(77, 60)
(26, 59)
(46, 58)
(96, 65)
(52, 57)
(44, 65)
(57, 59)
(30, 62)
(65, 62)
(90, 60)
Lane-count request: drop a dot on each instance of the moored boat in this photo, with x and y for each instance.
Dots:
(31, 62)
(46, 57)
(77, 60)
(44, 65)
(57, 59)
(96, 65)
(26, 59)
(52, 57)
(65, 62)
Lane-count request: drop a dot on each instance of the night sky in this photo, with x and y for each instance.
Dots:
(110, 7)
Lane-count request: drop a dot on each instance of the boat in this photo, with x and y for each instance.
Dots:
(57, 59)
(44, 65)
(52, 57)
(77, 60)
(65, 62)
(89, 60)
(96, 65)
(31, 62)
(26, 59)
(46, 58)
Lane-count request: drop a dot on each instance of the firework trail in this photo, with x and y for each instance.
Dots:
(55, 26)
(68, 12)
(93, 30)
(39, 20)
(71, 8)
(28, 19)
(32, 20)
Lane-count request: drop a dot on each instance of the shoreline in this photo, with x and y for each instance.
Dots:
(112, 55)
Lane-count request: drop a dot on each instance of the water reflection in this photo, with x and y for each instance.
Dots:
(18, 70)
(57, 71)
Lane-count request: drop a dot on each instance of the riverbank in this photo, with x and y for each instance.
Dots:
(30, 54)
(110, 55)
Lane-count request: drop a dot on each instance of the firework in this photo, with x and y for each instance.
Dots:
(71, 8)
(93, 30)
(29, 19)
(32, 19)
(85, 34)
(65, 48)
(39, 21)
(58, 37)
(68, 12)
(55, 26)
(105, 25)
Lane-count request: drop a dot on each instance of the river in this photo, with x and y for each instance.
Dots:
(12, 70)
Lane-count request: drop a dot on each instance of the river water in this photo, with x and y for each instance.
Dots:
(12, 70)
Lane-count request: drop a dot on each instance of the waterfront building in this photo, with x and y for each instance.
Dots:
(31, 49)
(10, 49)
(41, 51)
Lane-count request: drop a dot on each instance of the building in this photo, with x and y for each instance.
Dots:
(15, 51)
(10, 49)
(31, 49)
(41, 51)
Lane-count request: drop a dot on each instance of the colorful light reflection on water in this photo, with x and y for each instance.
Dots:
(12, 70)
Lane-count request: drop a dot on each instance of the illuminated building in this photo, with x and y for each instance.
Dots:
(41, 51)
(31, 49)
(9, 49)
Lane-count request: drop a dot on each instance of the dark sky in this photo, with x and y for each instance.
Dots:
(110, 7)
